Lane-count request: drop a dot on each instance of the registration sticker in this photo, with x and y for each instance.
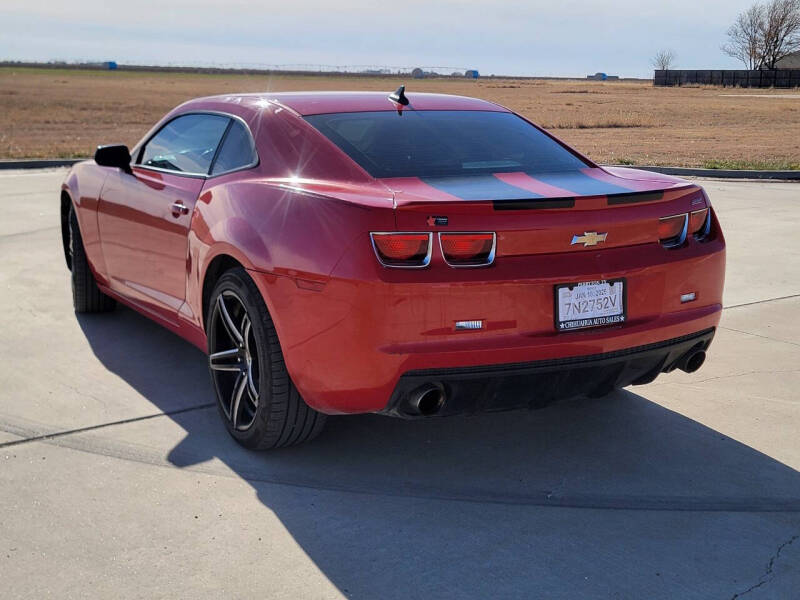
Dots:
(589, 304)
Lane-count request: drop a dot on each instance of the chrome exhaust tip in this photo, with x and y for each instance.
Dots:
(427, 400)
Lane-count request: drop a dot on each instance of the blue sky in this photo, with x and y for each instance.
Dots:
(560, 38)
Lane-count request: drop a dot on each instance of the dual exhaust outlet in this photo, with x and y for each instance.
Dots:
(428, 399)
(691, 361)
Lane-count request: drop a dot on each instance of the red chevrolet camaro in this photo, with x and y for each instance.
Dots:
(410, 255)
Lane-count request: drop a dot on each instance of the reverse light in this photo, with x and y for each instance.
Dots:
(403, 250)
(468, 249)
(700, 223)
(672, 230)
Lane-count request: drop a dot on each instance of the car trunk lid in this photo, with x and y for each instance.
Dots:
(546, 212)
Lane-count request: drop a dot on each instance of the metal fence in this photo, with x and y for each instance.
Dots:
(251, 69)
(780, 78)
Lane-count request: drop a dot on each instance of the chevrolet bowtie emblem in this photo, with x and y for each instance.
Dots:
(589, 238)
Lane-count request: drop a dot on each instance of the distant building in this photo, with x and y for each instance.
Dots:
(791, 61)
(602, 77)
(471, 74)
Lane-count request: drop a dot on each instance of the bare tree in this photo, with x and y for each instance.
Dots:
(744, 37)
(781, 31)
(765, 33)
(663, 60)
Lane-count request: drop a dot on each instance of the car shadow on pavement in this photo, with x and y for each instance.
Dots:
(485, 505)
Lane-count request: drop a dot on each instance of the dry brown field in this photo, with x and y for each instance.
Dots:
(64, 113)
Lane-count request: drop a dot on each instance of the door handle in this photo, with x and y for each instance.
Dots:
(179, 208)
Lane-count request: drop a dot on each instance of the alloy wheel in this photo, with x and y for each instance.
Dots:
(234, 360)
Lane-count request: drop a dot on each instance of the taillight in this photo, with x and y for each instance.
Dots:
(468, 249)
(403, 250)
(672, 230)
(700, 223)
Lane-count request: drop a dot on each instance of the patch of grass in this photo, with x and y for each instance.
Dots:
(701, 86)
(598, 125)
(602, 118)
(625, 161)
(755, 165)
(77, 154)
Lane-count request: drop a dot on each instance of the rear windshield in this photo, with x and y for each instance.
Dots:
(443, 143)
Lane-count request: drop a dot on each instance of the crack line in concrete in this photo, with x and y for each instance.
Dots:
(758, 335)
(765, 578)
(32, 231)
(57, 434)
(761, 301)
(745, 373)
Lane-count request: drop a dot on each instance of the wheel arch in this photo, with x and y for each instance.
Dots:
(223, 260)
(220, 244)
(66, 204)
(220, 264)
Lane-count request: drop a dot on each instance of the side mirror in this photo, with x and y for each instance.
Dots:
(115, 155)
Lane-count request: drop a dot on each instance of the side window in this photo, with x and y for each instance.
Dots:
(236, 151)
(186, 144)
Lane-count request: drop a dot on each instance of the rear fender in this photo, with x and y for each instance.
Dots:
(286, 233)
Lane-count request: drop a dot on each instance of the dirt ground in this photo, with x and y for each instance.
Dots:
(65, 113)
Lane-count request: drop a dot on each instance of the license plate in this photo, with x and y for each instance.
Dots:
(589, 304)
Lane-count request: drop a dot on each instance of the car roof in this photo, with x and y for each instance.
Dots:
(315, 103)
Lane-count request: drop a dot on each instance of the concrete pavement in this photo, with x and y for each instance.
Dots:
(688, 487)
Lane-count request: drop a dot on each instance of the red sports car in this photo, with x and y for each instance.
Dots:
(409, 255)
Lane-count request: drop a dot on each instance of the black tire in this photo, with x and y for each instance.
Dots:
(86, 296)
(269, 412)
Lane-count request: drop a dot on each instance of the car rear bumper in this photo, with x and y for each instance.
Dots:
(357, 340)
(465, 390)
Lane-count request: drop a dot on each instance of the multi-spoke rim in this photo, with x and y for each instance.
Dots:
(234, 360)
(71, 245)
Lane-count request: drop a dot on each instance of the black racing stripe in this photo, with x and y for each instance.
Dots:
(479, 187)
(634, 197)
(580, 183)
(533, 204)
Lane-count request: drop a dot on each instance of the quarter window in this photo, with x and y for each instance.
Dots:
(237, 150)
(186, 144)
